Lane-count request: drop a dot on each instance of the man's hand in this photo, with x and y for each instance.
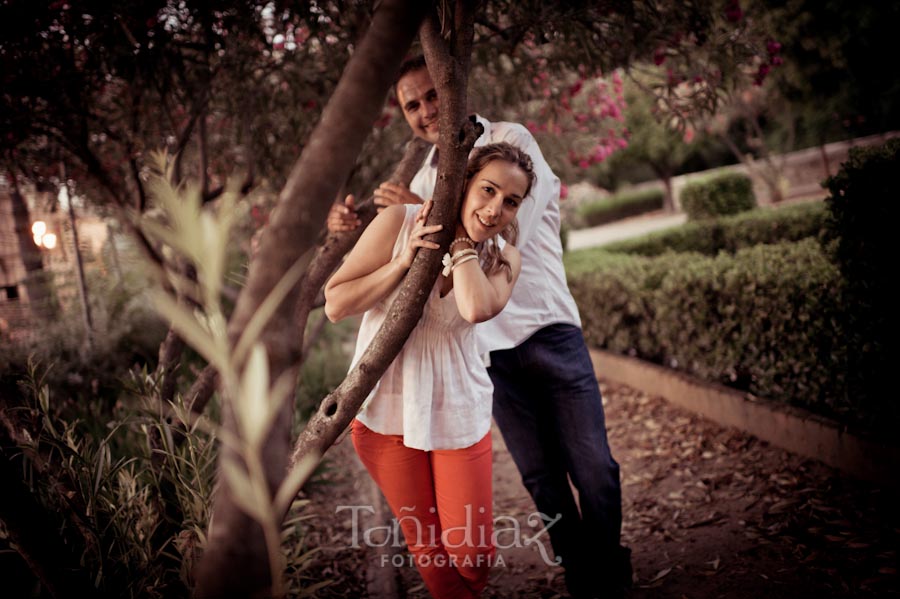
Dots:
(342, 217)
(416, 241)
(389, 194)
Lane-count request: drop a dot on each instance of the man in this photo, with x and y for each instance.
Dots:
(546, 399)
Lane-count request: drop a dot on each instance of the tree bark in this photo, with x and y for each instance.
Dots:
(336, 245)
(235, 562)
(449, 68)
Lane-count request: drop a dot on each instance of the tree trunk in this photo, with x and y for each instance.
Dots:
(235, 562)
(449, 67)
(668, 194)
(79, 266)
(770, 174)
(336, 245)
(664, 174)
(328, 256)
(826, 165)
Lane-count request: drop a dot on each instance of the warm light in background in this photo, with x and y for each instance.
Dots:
(41, 237)
(49, 241)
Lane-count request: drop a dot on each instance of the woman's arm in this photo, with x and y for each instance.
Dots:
(369, 273)
(480, 297)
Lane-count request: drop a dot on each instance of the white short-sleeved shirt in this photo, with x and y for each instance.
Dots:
(436, 393)
(541, 296)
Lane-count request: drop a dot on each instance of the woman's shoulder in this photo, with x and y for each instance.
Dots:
(400, 213)
(393, 217)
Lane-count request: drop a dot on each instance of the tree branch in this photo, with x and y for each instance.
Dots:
(457, 136)
(235, 562)
(336, 245)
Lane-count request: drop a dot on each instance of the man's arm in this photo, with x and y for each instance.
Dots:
(391, 194)
(546, 186)
(343, 217)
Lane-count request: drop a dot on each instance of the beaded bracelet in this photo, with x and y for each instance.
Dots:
(465, 240)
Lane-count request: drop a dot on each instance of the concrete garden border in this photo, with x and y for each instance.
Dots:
(788, 427)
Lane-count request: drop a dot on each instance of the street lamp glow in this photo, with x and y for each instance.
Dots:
(38, 229)
(49, 241)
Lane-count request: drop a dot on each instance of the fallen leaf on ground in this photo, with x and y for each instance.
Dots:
(660, 575)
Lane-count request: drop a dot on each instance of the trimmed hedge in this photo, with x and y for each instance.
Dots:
(765, 319)
(719, 195)
(862, 237)
(731, 233)
(619, 206)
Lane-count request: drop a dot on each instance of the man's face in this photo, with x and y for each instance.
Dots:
(419, 103)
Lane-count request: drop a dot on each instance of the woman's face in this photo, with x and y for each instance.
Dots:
(492, 199)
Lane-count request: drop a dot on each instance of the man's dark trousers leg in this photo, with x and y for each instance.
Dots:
(548, 407)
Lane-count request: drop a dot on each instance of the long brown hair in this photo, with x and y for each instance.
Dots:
(491, 258)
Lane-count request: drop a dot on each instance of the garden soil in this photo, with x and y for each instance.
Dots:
(708, 512)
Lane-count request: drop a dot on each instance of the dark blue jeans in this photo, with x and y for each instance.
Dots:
(548, 407)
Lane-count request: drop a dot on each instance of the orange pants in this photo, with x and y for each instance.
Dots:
(442, 501)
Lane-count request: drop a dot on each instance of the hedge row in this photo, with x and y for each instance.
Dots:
(619, 206)
(731, 233)
(766, 319)
(861, 234)
(719, 195)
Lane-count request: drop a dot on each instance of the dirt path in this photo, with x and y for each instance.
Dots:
(709, 512)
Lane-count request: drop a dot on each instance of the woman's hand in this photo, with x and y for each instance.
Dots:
(416, 241)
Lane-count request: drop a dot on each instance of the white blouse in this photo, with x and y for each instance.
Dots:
(436, 393)
(541, 296)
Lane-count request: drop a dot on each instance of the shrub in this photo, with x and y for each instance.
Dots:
(731, 233)
(861, 230)
(125, 332)
(763, 320)
(720, 195)
(619, 206)
(133, 519)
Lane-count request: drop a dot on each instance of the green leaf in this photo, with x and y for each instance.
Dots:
(267, 308)
(242, 489)
(253, 408)
(190, 330)
(294, 481)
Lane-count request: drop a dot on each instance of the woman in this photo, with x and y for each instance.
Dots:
(424, 432)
